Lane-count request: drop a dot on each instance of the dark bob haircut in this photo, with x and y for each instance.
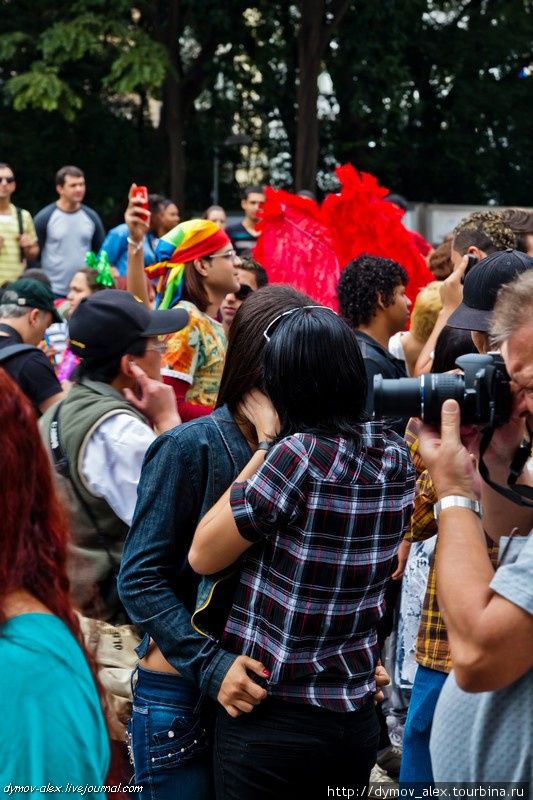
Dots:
(243, 369)
(315, 375)
(452, 343)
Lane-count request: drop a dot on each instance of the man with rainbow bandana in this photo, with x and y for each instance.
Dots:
(197, 267)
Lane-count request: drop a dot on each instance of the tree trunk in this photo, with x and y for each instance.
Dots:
(174, 131)
(313, 39)
(309, 60)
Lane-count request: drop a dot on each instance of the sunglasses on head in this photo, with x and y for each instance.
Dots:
(243, 292)
(271, 327)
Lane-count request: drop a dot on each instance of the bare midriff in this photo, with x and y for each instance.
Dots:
(156, 661)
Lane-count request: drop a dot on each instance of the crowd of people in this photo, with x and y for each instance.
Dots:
(254, 547)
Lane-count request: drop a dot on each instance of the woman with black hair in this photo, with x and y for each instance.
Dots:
(319, 511)
(185, 471)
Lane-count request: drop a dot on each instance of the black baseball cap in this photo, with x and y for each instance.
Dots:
(31, 294)
(105, 324)
(481, 287)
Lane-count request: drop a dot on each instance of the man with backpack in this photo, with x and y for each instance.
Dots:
(26, 310)
(18, 240)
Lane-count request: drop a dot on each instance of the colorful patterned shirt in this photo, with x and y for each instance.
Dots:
(329, 515)
(196, 354)
(432, 648)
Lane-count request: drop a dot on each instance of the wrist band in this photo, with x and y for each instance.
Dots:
(263, 446)
(136, 245)
(457, 501)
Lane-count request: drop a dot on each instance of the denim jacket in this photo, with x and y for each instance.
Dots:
(185, 471)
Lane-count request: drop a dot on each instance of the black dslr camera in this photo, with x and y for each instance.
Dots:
(483, 393)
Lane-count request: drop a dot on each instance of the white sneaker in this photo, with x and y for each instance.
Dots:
(378, 776)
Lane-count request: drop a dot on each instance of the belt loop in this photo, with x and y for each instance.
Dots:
(200, 704)
(134, 679)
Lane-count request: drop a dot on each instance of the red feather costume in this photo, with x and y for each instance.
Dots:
(295, 247)
(307, 246)
(362, 221)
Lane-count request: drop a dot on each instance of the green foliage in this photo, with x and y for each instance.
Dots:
(76, 39)
(423, 93)
(10, 44)
(41, 88)
(141, 66)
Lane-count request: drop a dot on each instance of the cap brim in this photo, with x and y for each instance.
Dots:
(168, 321)
(56, 316)
(470, 319)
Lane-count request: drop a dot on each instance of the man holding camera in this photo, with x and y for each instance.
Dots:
(432, 647)
(487, 702)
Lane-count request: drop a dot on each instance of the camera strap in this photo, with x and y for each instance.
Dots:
(521, 495)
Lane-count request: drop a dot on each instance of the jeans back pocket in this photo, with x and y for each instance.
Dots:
(185, 739)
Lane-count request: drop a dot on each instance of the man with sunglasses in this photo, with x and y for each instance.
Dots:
(252, 276)
(18, 240)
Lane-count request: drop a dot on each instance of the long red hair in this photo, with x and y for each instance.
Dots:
(33, 527)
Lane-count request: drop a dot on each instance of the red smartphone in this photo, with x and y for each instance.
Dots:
(142, 193)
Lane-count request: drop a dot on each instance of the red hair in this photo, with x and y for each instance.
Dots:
(34, 529)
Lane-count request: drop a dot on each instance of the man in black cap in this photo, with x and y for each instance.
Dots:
(474, 237)
(481, 286)
(103, 427)
(26, 310)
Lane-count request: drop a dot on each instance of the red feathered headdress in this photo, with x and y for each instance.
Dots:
(362, 221)
(295, 247)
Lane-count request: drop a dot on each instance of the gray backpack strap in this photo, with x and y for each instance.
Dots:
(14, 350)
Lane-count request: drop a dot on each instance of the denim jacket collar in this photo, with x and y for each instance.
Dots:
(236, 444)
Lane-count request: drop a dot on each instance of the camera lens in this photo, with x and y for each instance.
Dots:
(435, 389)
(397, 397)
(416, 397)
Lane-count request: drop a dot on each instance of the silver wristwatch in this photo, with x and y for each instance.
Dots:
(457, 501)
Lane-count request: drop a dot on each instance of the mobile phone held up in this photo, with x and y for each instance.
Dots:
(141, 192)
(472, 261)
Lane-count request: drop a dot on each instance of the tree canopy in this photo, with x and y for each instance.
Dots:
(424, 95)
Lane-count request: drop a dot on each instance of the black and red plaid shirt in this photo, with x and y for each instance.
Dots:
(329, 516)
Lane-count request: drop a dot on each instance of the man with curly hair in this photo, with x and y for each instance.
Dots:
(372, 299)
(481, 234)
(478, 235)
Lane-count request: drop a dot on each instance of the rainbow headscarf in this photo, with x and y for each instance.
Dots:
(188, 240)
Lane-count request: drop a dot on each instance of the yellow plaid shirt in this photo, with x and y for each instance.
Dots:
(432, 649)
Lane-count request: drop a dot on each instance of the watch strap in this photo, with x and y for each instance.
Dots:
(457, 501)
(263, 446)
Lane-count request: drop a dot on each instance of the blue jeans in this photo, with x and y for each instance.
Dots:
(416, 761)
(169, 737)
(280, 749)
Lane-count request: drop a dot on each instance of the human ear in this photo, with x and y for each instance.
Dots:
(34, 317)
(201, 266)
(475, 251)
(125, 365)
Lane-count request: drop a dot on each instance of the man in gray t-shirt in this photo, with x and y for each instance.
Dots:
(491, 738)
(66, 230)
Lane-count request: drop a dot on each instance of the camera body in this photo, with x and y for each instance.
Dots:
(483, 392)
